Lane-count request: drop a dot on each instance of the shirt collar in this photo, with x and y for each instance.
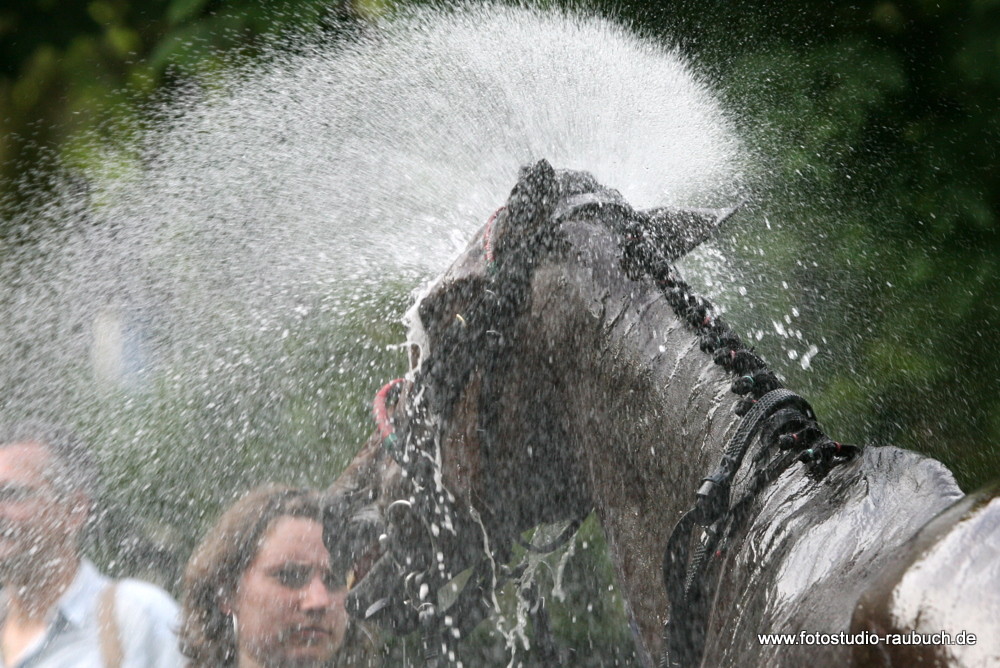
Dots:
(76, 605)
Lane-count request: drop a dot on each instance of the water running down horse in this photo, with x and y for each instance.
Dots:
(560, 366)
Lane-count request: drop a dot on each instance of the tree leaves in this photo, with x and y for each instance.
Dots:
(179, 11)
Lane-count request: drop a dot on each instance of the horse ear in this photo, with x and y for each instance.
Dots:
(528, 208)
(682, 230)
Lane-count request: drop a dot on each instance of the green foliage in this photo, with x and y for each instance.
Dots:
(875, 127)
(74, 68)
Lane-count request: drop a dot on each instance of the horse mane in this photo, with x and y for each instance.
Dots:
(526, 230)
(480, 330)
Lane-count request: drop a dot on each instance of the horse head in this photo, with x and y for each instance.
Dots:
(479, 448)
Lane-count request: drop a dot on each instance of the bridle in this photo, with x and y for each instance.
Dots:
(777, 417)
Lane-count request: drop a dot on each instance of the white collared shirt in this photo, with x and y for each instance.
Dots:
(147, 621)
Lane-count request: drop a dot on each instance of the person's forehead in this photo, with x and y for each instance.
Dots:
(24, 461)
(298, 539)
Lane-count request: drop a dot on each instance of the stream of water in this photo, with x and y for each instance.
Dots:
(216, 304)
(222, 290)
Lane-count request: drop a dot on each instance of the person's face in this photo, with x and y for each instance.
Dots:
(36, 522)
(289, 606)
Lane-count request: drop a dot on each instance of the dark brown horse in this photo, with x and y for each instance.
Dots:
(561, 366)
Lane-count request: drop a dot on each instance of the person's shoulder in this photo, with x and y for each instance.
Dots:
(145, 598)
(148, 619)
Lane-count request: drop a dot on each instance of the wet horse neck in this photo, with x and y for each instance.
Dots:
(647, 412)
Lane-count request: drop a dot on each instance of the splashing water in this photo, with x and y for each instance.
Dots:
(215, 307)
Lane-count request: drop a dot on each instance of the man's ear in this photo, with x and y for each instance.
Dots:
(80, 508)
(226, 601)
